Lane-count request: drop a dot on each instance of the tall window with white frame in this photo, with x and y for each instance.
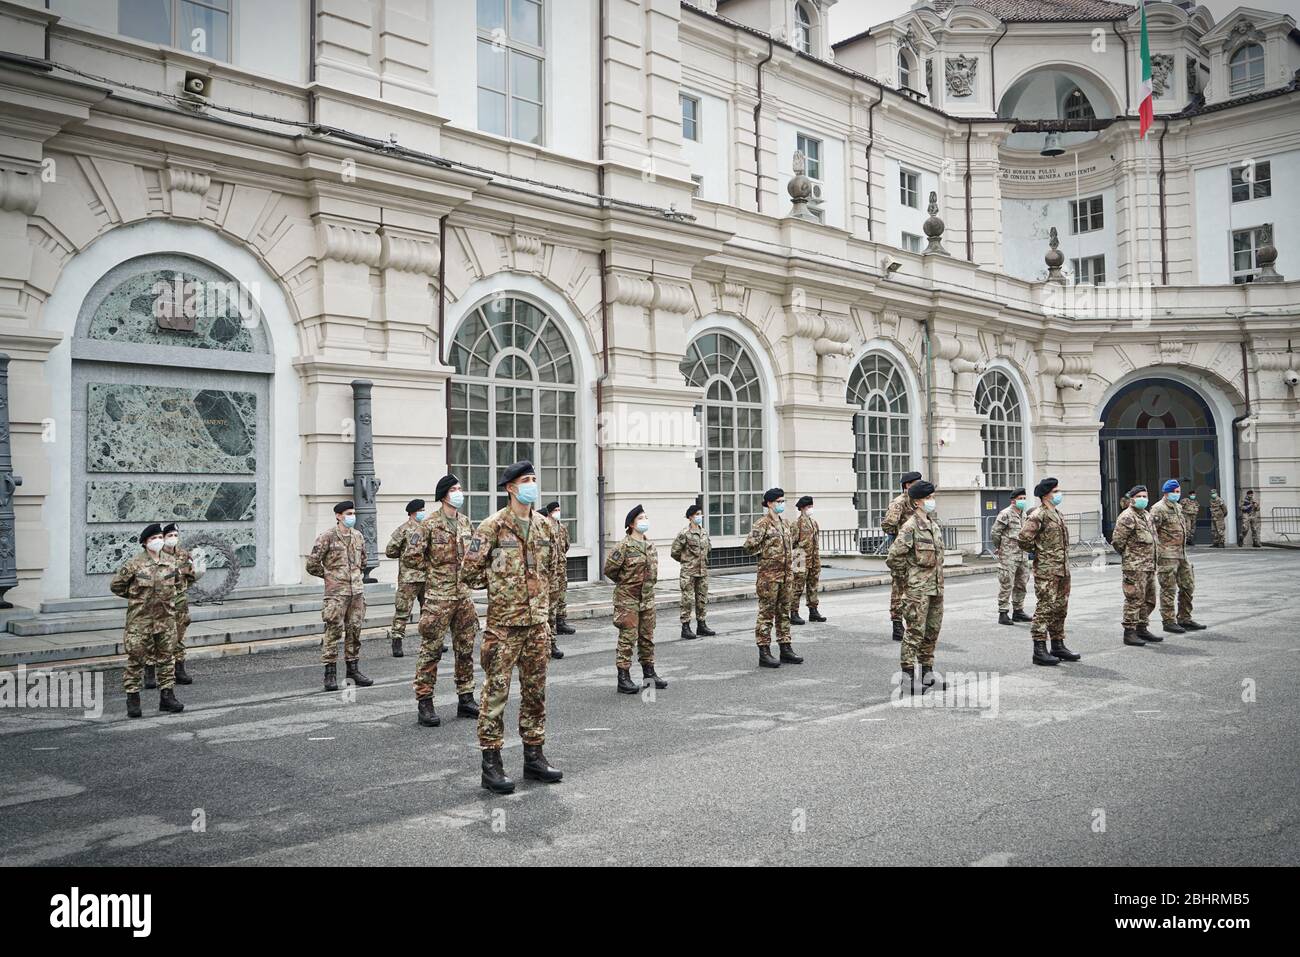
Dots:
(512, 69)
(803, 28)
(1245, 247)
(909, 188)
(514, 396)
(1246, 70)
(197, 26)
(690, 117)
(811, 148)
(731, 420)
(1003, 433)
(904, 71)
(882, 442)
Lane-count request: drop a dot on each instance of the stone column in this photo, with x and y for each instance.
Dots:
(363, 482)
(9, 482)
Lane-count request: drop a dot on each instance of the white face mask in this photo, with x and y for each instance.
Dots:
(556, 515)
(929, 505)
(456, 498)
(171, 541)
(154, 545)
(808, 511)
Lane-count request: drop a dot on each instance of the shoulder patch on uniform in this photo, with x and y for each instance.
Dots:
(475, 544)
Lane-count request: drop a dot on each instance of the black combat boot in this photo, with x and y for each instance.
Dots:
(167, 702)
(397, 648)
(494, 775)
(765, 659)
(1041, 657)
(898, 628)
(1061, 652)
(1143, 632)
(150, 677)
(788, 657)
(907, 680)
(537, 768)
(1189, 625)
(794, 616)
(814, 614)
(354, 672)
(1019, 615)
(466, 706)
(1004, 618)
(133, 705)
(331, 677)
(687, 634)
(648, 674)
(427, 715)
(928, 680)
(182, 676)
(703, 630)
(625, 683)
(556, 653)
(564, 628)
(1173, 628)
(1131, 638)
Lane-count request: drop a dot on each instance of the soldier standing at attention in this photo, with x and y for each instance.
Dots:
(1134, 538)
(916, 557)
(410, 570)
(560, 583)
(690, 550)
(1045, 535)
(1173, 569)
(1013, 564)
(1218, 518)
(770, 540)
(186, 576)
(807, 562)
(339, 557)
(514, 553)
(1191, 511)
(1249, 520)
(633, 567)
(148, 583)
(441, 543)
(562, 626)
(897, 512)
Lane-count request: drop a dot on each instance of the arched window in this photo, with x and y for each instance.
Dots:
(881, 433)
(1003, 434)
(514, 397)
(731, 419)
(1246, 70)
(1077, 106)
(803, 29)
(904, 71)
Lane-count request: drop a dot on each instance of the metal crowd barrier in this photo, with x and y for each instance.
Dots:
(1285, 520)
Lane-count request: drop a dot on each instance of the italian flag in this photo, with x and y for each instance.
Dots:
(1147, 106)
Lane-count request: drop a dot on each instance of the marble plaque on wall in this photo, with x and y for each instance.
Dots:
(167, 307)
(144, 428)
(170, 502)
(106, 551)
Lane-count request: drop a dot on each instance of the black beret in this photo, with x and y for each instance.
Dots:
(414, 505)
(692, 509)
(909, 477)
(1017, 492)
(444, 486)
(1134, 490)
(150, 531)
(772, 494)
(169, 528)
(551, 507)
(342, 507)
(516, 471)
(806, 500)
(631, 516)
(1045, 486)
(920, 489)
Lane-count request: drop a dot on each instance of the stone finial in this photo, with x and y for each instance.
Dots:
(800, 189)
(933, 228)
(1055, 259)
(1266, 255)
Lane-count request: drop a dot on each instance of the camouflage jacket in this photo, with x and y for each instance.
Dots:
(1044, 533)
(517, 573)
(691, 549)
(770, 540)
(1005, 529)
(1249, 506)
(149, 586)
(1134, 538)
(407, 538)
(898, 512)
(339, 557)
(633, 567)
(805, 530)
(1218, 510)
(440, 553)
(1191, 511)
(184, 563)
(560, 580)
(917, 554)
(1171, 531)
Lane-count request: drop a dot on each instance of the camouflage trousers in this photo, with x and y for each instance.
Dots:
(773, 606)
(145, 647)
(503, 646)
(1216, 532)
(1250, 529)
(436, 616)
(343, 616)
(897, 589)
(922, 618)
(695, 592)
(1177, 584)
(182, 607)
(408, 593)
(560, 607)
(636, 626)
(805, 585)
(1053, 594)
(1013, 581)
(1139, 597)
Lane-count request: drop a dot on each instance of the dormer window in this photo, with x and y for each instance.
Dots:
(803, 29)
(904, 70)
(1077, 106)
(1246, 70)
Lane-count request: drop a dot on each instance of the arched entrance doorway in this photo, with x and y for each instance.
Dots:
(1156, 429)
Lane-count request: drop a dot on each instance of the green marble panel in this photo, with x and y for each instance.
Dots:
(106, 551)
(170, 502)
(129, 314)
(145, 428)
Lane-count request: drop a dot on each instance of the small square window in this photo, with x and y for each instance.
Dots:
(912, 242)
(1245, 247)
(1086, 215)
(1090, 270)
(1251, 181)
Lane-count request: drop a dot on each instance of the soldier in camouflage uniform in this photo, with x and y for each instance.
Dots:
(807, 562)
(1173, 570)
(1218, 519)
(1250, 512)
(691, 550)
(339, 557)
(148, 583)
(514, 553)
(560, 607)
(771, 541)
(186, 576)
(1191, 512)
(1134, 538)
(439, 546)
(1045, 535)
(633, 567)
(916, 556)
(410, 571)
(895, 514)
(1013, 564)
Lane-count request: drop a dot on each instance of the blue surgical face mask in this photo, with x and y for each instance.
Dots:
(1056, 497)
(1021, 503)
(528, 493)
(421, 515)
(1175, 496)
(457, 498)
(349, 520)
(697, 518)
(1139, 503)
(643, 526)
(929, 505)
(779, 507)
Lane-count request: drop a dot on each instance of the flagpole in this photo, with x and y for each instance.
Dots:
(1151, 259)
